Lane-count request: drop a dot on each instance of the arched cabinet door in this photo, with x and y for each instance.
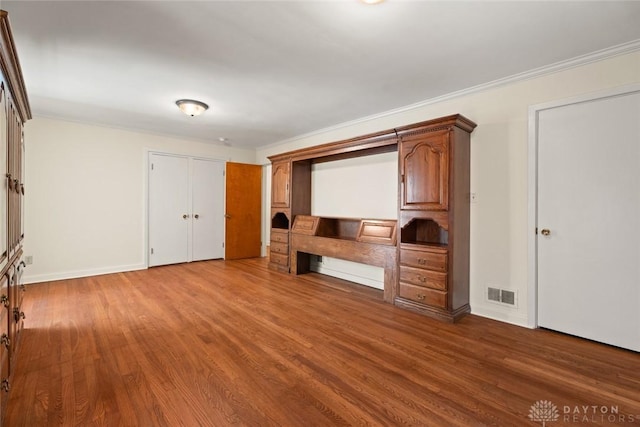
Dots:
(424, 169)
(280, 174)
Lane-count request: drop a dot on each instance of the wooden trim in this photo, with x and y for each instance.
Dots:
(373, 143)
(347, 148)
(11, 68)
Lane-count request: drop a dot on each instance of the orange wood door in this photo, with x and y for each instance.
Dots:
(243, 211)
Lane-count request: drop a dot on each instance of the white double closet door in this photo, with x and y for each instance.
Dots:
(589, 219)
(186, 209)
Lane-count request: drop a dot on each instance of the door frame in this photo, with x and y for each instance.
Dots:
(145, 213)
(532, 192)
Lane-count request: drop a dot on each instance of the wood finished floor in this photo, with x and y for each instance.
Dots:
(231, 343)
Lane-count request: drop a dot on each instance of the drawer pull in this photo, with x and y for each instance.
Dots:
(422, 279)
(4, 339)
(4, 300)
(420, 297)
(5, 385)
(422, 261)
(17, 314)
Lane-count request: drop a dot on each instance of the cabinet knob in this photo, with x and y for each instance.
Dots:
(4, 339)
(227, 216)
(4, 300)
(420, 297)
(5, 385)
(545, 232)
(17, 314)
(196, 216)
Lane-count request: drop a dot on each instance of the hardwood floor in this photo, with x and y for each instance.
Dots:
(231, 343)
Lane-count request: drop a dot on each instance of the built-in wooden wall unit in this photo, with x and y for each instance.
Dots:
(14, 112)
(425, 253)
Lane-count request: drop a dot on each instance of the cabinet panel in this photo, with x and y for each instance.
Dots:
(281, 260)
(424, 165)
(280, 176)
(3, 173)
(423, 277)
(279, 248)
(279, 236)
(436, 261)
(423, 295)
(4, 384)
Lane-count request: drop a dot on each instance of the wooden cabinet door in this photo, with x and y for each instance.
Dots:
(280, 174)
(424, 169)
(4, 189)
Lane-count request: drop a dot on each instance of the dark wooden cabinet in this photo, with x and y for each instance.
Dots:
(428, 270)
(14, 112)
(434, 163)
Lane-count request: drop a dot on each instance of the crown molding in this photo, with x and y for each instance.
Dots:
(599, 55)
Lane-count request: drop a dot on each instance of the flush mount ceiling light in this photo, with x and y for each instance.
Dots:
(191, 107)
(371, 1)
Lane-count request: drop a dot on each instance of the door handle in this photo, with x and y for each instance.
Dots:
(196, 216)
(185, 216)
(545, 232)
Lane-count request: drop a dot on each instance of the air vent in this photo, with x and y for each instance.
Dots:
(501, 296)
(493, 294)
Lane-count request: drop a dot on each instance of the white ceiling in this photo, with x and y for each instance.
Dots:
(272, 70)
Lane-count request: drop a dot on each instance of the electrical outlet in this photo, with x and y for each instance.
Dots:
(28, 260)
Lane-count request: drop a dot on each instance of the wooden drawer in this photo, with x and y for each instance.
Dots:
(279, 248)
(279, 259)
(279, 236)
(432, 260)
(423, 295)
(422, 277)
(4, 385)
(5, 344)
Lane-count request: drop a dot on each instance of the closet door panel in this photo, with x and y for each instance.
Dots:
(208, 209)
(169, 213)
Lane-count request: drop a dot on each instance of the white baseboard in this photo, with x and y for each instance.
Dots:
(501, 316)
(38, 278)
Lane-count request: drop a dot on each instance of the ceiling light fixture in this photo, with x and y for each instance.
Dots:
(191, 107)
(371, 1)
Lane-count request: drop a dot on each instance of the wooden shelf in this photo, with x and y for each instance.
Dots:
(381, 232)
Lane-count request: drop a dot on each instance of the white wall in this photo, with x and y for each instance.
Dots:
(86, 195)
(498, 165)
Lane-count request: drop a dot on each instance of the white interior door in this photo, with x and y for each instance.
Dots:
(208, 209)
(169, 213)
(589, 201)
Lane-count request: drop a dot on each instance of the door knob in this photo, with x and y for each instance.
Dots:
(545, 232)
(227, 216)
(196, 216)
(185, 216)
